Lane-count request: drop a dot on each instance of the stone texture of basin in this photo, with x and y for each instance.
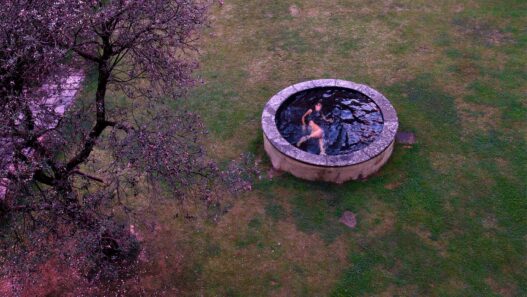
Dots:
(338, 168)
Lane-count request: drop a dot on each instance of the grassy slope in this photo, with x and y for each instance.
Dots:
(445, 217)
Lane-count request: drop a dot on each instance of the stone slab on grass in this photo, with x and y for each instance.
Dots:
(405, 137)
(348, 218)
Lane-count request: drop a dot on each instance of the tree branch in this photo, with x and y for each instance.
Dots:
(88, 146)
(121, 126)
(88, 176)
(86, 55)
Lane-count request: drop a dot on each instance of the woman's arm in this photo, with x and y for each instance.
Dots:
(304, 116)
(327, 119)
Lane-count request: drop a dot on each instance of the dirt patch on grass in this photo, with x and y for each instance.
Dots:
(393, 185)
(314, 9)
(504, 167)
(240, 214)
(456, 86)
(312, 12)
(308, 248)
(226, 10)
(425, 235)
(505, 290)
(497, 37)
(468, 70)
(277, 257)
(476, 117)
(393, 290)
(481, 31)
(445, 163)
(282, 195)
(457, 8)
(53, 279)
(321, 263)
(259, 69)
(451, 287)
(160, 271)
(170, 247)
(489, 222)
(378, 221)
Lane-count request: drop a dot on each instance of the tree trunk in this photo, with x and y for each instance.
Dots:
(100, 123)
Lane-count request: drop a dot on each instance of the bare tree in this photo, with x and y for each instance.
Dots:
(142, 51)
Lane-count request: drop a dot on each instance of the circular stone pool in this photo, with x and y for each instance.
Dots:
(329, 129)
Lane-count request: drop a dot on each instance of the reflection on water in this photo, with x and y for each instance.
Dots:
(350, 122)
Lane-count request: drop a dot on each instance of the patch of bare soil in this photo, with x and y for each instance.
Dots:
(322, 263)
(504, 167)
(489, 222)
(458, 87)
(484, 32)
(284, 194)
(396, 183)
(477, 117)
(379, 220)
(313, 12)
(392, 290)
(240, 214)
(445, 162)
(425, 235)
(458, 7)
(259, 69)
(319, 8)
(393, 185)
(309, 248)
(282, 251)
(505, 290)
(496, 37)
(168, 249)
(54, 279)
(468, 70)
(390, 5)
(226, 10)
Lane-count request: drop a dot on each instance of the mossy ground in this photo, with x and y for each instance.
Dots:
(445, 217)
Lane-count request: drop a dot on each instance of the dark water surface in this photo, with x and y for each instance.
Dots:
(357, 120)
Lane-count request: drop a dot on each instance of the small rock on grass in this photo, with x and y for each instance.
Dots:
(348, 219)
(405, 138)
(294, 10)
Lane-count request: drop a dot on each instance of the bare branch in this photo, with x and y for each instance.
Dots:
(97, 179)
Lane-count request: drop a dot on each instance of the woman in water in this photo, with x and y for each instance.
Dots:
(315, 119)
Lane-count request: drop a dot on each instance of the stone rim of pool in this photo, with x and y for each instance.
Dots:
(333, 168)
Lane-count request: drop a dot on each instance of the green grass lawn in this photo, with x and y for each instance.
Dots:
(444, 217)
